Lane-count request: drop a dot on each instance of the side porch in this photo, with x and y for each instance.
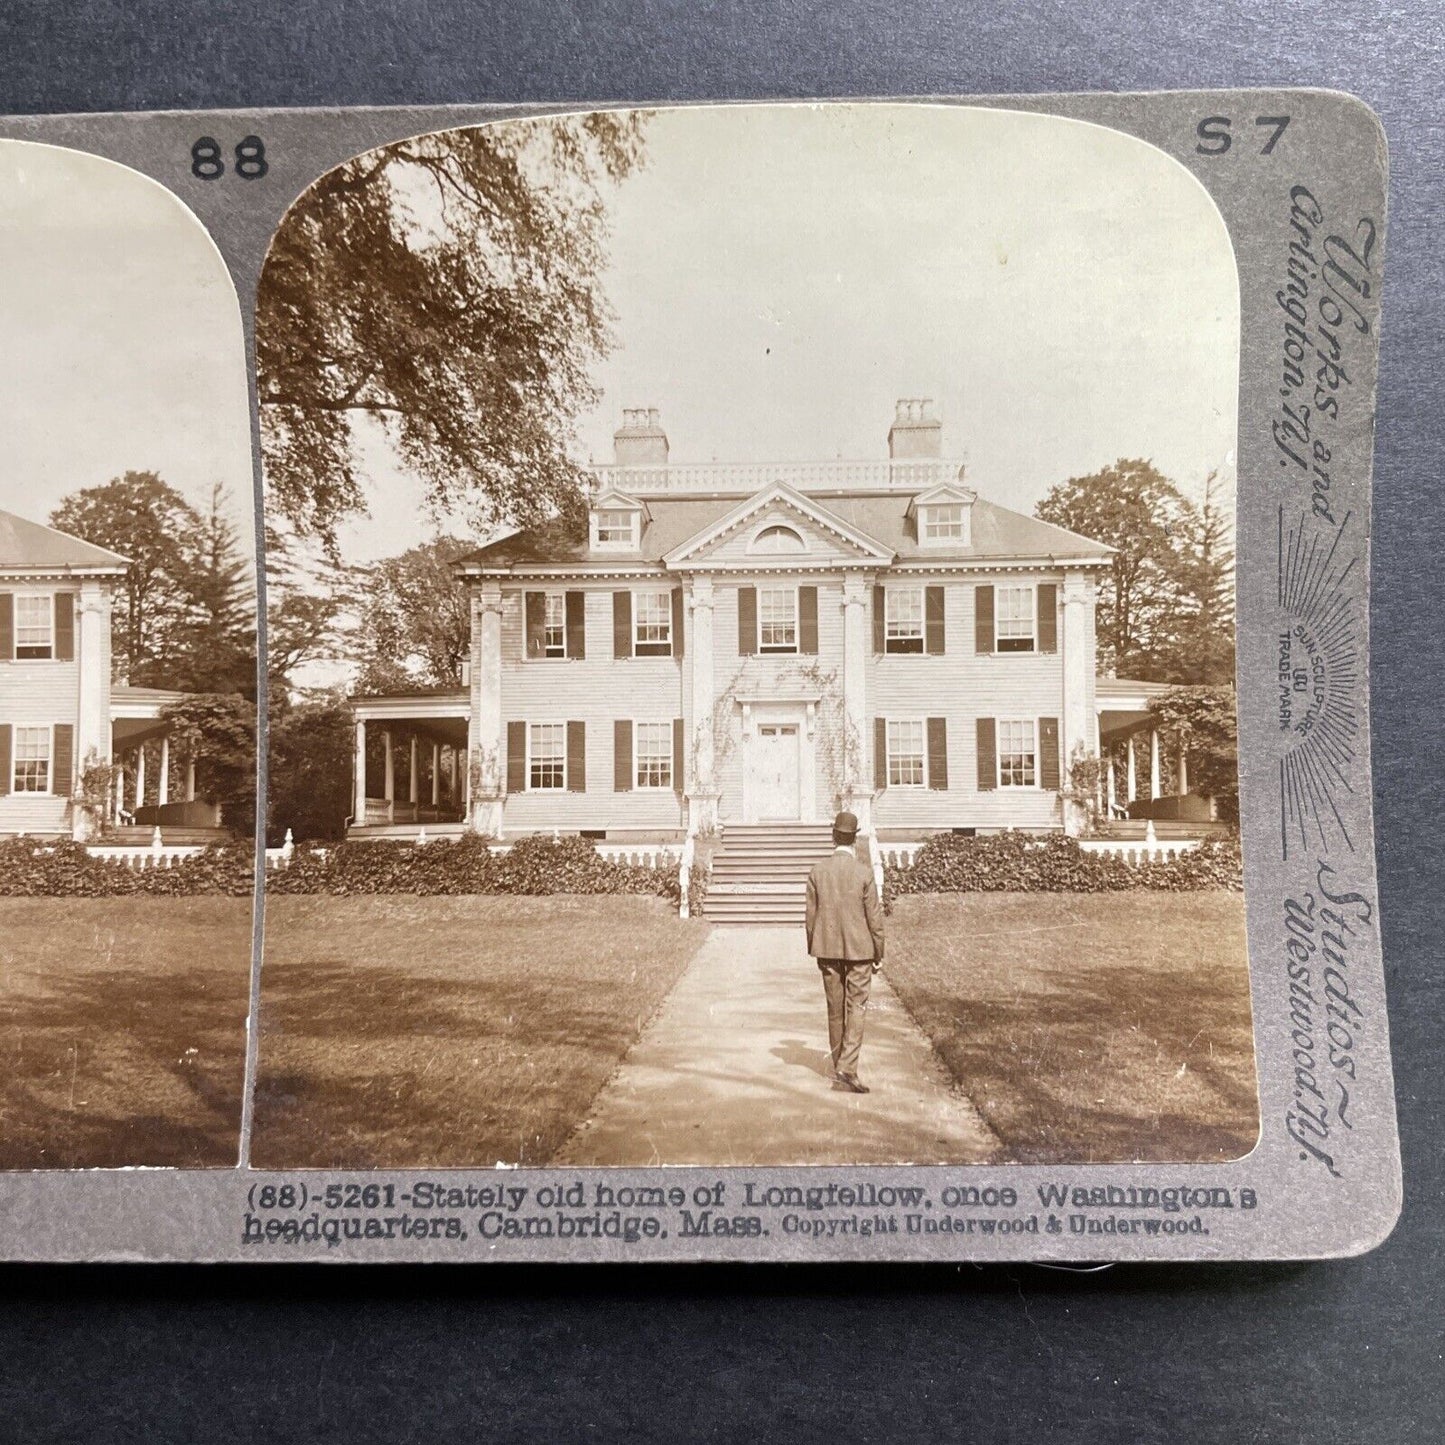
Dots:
(409, 766)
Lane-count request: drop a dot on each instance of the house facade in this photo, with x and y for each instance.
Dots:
(61, 716)
(760, 644)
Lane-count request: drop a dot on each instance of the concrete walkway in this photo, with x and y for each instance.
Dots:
(734, 1069)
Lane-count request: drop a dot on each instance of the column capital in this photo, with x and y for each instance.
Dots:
(855, 588)
(700, 593)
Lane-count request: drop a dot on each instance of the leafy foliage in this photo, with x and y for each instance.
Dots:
(1020, 863)
(308, 770)
(218, 730)
(444, 290)
(415, 626)
(1207, 719)
(30, 868)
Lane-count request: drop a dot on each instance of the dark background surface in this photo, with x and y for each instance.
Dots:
(1340, 1352)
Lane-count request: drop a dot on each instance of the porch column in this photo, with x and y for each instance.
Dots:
(1133, 792)
(94, 739)
(191, 779)
(358, 775)
(857, 744)
(436, 773)
(1113, 792)
(1080, 724)
(163, 796)
(140, 776)
(703, 798)
(1153, 763)
(485, 778)
(413, 795)
(1183, 766)
(389, 788)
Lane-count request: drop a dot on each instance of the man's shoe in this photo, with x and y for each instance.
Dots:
(853, 1083)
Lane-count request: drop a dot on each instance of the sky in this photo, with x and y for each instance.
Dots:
(781, 274)
(120, 338)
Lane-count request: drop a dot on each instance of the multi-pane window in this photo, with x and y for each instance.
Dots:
(548, 756)
(1016, 753)
(903, 619)
(777, 619)
(905, 754)
(944, 522)
(615, 527)
(1014, 619)
(32, 760)
(554, 627)
(652, 743)
(652, 622)
(34, 622)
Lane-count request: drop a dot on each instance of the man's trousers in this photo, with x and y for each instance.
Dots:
(846, 983)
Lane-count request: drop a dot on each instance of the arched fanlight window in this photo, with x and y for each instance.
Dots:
(778, 539)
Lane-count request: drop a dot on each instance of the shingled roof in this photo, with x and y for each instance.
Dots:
(28, 545)
(997, 534)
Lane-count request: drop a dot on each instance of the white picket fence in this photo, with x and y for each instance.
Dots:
(1135, 852)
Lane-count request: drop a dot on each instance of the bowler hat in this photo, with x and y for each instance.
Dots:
(845, 825)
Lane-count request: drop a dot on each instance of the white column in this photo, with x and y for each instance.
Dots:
(358, 775)
(163, 796)
(486, 736)
(191, 780)
(1133, 792)
(857, 744)
(1183, 766)
(703, 798)
(436, 773)
(140, 776)
(413, 795)
(93, 730)
(1153, 763)
(389, 787)
(1080, 726)
(1113, 793)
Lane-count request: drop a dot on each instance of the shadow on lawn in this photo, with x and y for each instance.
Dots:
(106, 1070)
(382, 1068)
(1044, 1068)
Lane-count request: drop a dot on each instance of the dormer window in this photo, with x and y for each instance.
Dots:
(778, 540)
(944, 516)
(616, 524)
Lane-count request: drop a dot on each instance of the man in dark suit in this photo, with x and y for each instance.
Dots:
(845, 935)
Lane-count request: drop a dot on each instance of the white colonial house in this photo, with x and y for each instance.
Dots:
(751, 647)
(62, 717)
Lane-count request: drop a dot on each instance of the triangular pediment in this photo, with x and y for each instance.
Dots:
(945, 494)
(612, 499)
(778, 527)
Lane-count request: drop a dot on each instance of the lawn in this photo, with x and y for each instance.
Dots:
(1088, 1027)
(122, 1031)
(450, 1031)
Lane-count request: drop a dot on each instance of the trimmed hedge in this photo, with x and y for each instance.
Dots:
(1022, 863)
(535, 865)
(30, 868)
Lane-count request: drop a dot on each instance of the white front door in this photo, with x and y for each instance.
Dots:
(773, 784)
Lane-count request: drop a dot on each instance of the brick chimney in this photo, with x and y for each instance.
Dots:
(916, 430)
(640, 441)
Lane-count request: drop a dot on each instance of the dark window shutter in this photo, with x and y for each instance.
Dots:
(622, 755)
(622, 624)
(1049, 754)
(808, 621)
(577, 756)
(517, 756)
(987, 756)
(933, 621)
(1048, 630)
(65, 627)
(677, 632)
(678, 780)
(983, 618)
(880, 753)
(4, 759)
(535, 609)
(880, 620)
(938, 753)
(7, 626)
(62, 765)
(576, 612)
(747, 621)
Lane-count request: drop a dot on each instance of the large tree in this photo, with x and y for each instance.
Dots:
(415, 625)
(1139, 512)
(1204, 632)
(445, 289)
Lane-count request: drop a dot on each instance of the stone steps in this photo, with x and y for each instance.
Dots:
(760, 875)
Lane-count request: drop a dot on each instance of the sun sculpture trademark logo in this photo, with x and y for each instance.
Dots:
(1317, 682)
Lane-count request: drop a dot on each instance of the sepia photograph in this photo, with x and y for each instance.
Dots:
(751, 655)
(128, 675)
